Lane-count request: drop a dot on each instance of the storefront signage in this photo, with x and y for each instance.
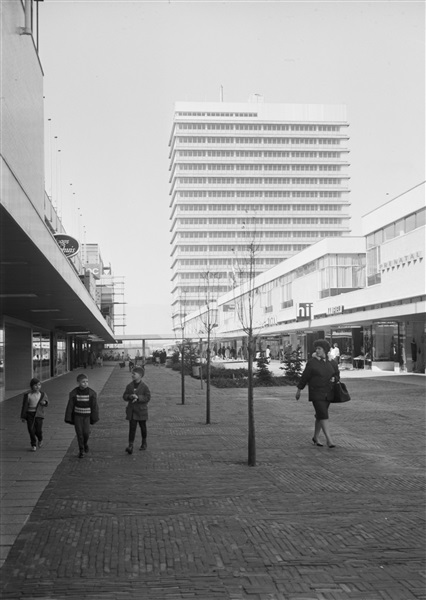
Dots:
(335, 310)
(401, 260)
(95, 269)
(304, 311)
(270, 321)
(67, 244)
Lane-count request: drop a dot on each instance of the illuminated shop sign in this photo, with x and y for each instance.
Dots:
(67, 244)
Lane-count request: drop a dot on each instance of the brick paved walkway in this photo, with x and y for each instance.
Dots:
(189, 519)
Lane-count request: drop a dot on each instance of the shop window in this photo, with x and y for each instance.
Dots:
(41, 355)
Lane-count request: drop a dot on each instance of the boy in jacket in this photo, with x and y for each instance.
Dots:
(137, 396)
(32, 412)
(82, 411)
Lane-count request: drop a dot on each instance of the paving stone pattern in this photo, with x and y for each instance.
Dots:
(188, 519)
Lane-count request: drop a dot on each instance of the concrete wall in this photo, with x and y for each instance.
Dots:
(18, 356)
(22, 128)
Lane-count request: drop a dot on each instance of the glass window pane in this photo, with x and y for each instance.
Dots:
(420, 218)
(399, 227)
(410, 223)
(389, 232)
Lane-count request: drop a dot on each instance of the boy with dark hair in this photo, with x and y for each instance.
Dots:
(137, 396)
(82, 411)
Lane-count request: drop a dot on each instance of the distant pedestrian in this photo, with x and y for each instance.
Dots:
(82, 411)
(91, 359)
(268, 354)
(320, 374)
(334, 353)
(137, 396)
(32, 412)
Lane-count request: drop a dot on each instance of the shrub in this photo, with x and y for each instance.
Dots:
(263, 374)
(293, 365)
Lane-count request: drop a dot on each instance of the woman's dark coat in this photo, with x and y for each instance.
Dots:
(320, 376)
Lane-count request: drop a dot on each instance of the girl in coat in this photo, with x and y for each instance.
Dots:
(32, 412)
(137, 396)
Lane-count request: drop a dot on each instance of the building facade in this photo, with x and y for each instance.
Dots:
(48, 318)
(273, 175)
(367, 294)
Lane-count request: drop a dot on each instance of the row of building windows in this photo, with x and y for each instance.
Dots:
(257, 194)
(257, 154)
(397, 228)
(261, 248)
(260, 180)
(215, 114)
(254, 167)
(259, 234)
(259, 221)
(255, 127)
(191, 289)
(202, 276)
(233, 233)
(257, 207)
(256, 140)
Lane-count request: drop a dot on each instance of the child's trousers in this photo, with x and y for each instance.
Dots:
(34, 425)
(82, 430)
(132, 430)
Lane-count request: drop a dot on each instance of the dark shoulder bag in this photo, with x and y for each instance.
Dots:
(341, 393)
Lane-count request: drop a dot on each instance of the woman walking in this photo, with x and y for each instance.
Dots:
(320, 374)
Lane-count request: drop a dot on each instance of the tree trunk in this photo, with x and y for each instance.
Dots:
(207, 381)
(182, 375)
(251, 431)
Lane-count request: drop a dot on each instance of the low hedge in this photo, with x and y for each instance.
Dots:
(226, 382)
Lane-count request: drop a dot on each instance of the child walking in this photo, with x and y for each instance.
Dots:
(82, 411)
(137, 396)
(32, 412)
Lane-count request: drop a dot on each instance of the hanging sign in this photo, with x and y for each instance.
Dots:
(67, 244)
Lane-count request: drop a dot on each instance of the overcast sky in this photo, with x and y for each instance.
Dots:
(114, 69)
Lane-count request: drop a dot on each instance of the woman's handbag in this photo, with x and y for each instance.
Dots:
(341, 393)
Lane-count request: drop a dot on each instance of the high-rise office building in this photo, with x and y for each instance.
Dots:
(278, 172)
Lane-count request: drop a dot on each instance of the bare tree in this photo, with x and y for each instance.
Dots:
(208, 317)
(243, 275)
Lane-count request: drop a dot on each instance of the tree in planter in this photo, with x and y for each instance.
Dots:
(293, 365)
(245, 297)
(190, 356)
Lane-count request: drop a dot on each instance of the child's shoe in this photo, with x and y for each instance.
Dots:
(34, 448)
(129, 449)
(81, 454)
(143, 446)
(40, 443)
